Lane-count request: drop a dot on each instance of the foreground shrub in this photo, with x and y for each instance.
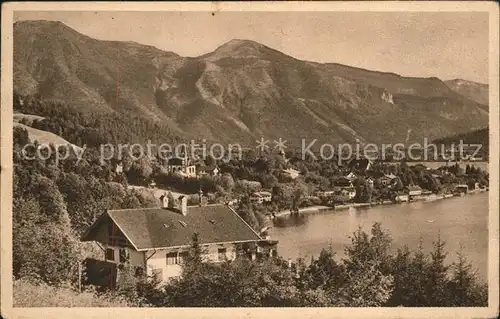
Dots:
(28, 294)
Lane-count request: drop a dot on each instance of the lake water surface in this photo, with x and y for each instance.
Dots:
(434, 165)
(459, 221)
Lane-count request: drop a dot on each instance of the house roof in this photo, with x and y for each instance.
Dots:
(390, 176)
(414, 188)
(374, 174)
(262, 194)
(175, 161)
(154, 228)
(342, 181)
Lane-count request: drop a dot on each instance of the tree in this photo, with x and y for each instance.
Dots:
(238, 283)
(362, 192)
(49, 253)
(140, 172)
(52, 205)
(267, 180)
(465, 289)
(282, 195)
(436, 286)
(366, 285)
(248, 214)
(227, 182)
(325, 272)
(20, 137)
(403, 286)
(365, 249)
(298, 194)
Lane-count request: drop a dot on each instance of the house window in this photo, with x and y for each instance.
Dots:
(172, 258)
(221, 254)
(124, 255)
(110, 254)
(183, 257)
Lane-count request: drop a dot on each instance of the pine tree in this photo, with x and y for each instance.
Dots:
(437, 280)
(465, 288)
(401, 295)
(417, 276)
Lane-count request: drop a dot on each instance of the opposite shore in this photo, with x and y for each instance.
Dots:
(324, 208)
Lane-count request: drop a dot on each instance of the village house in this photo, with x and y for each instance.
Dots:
(401, 197)
(116, 166)
(462, 188)
(351, 176)
(292, 173)
(212, 170)
(412, 191)
(343, 182)
(346, 192)
(350, 192)
(326, 193)
(260, 197)
(182, 166)
(387, 179)
(157, 240)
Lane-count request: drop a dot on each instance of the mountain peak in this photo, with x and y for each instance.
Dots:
(240, 42)
(238, 48)
(41, 24)
(46, 28)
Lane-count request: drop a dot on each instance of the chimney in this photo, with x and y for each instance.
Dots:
(183, 200)
(164, 200)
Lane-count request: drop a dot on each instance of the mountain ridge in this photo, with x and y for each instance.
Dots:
(478, 92)
(239, 92)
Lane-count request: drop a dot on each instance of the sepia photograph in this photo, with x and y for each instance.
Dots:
(239, 159)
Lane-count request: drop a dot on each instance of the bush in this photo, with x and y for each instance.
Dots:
(27, 294)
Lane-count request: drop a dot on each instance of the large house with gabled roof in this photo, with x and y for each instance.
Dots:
(157, 240)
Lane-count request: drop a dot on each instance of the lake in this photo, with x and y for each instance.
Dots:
(434, 165)
(459, 220)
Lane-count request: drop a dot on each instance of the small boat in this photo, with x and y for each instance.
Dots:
(430, 220)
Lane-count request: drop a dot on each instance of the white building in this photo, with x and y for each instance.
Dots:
(157, 240)
(292, 173)
(260, 197)
(181, 166)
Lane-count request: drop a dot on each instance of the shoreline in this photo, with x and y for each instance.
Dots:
(323, 208)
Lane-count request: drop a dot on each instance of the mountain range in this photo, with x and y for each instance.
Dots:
(241, 91)
(475, 91)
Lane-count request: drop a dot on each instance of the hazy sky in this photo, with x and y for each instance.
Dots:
(446, 45)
